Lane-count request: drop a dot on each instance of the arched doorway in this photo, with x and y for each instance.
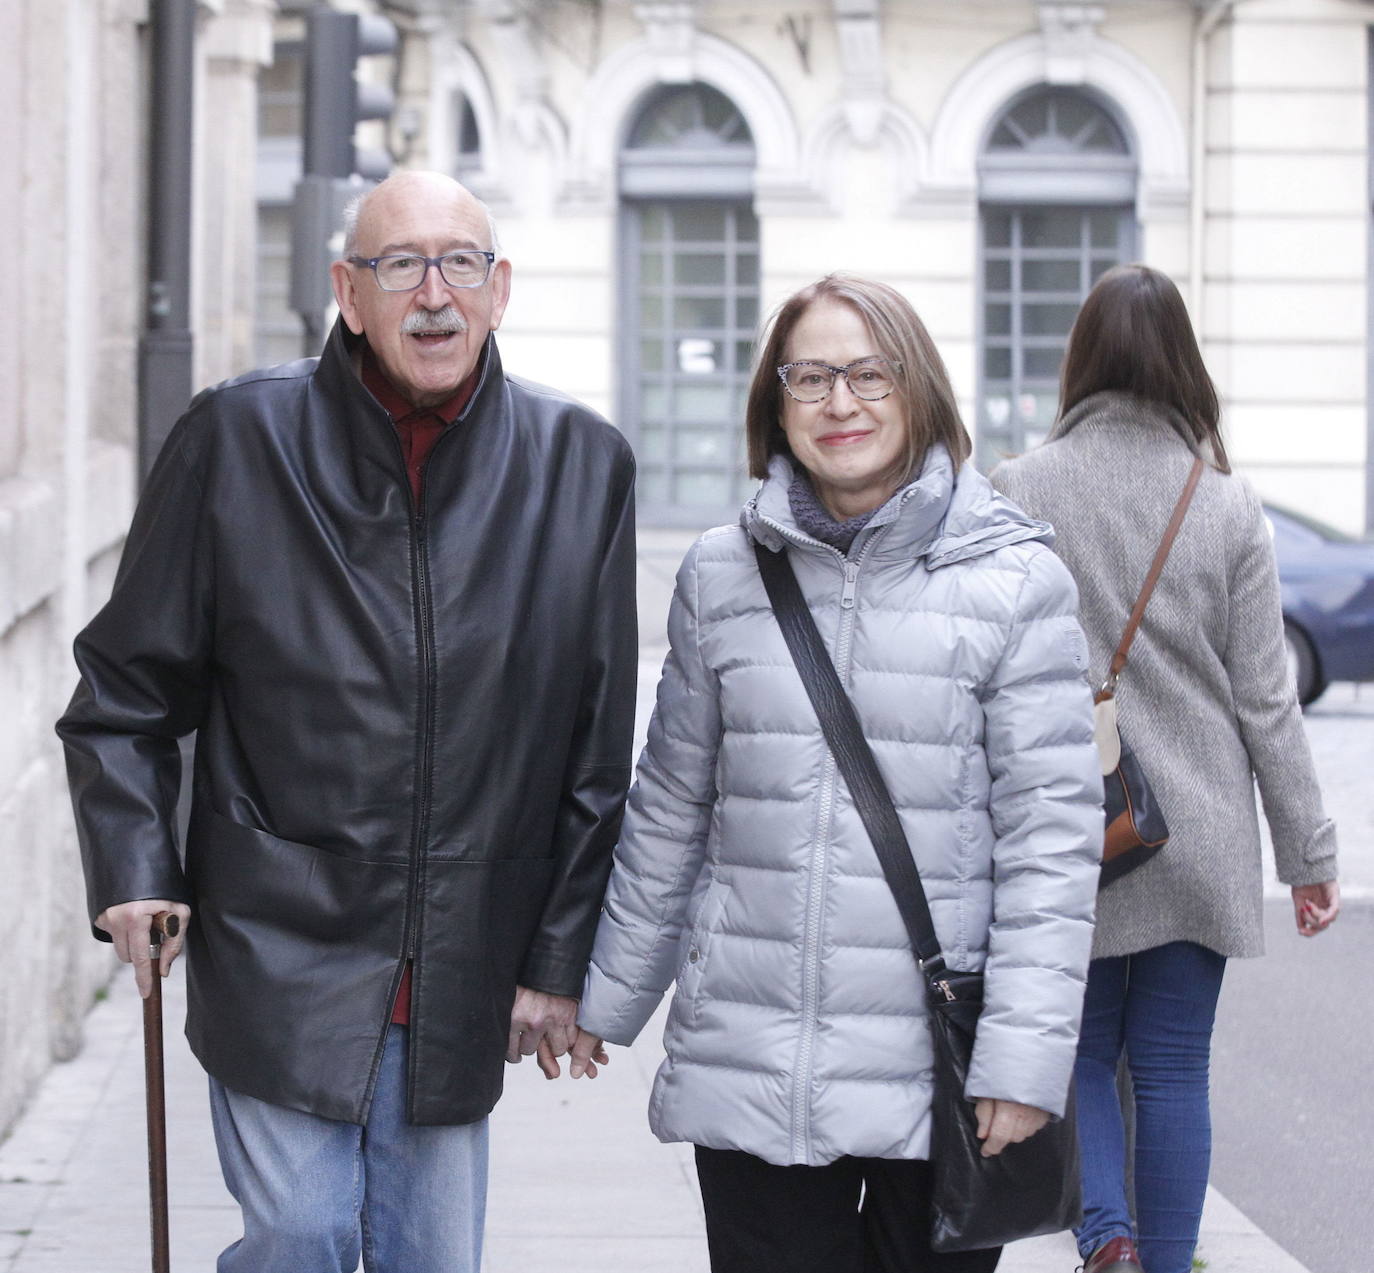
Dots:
(689, 302)
(1057, 193)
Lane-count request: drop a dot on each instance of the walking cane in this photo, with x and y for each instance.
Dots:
(165, 924)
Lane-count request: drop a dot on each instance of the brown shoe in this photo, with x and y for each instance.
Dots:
(1116, 1256)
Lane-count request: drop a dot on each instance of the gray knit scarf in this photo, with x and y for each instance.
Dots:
(815, 519)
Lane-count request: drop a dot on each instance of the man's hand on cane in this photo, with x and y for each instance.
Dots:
(128, 925)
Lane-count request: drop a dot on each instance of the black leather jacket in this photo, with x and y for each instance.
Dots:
(414, 724)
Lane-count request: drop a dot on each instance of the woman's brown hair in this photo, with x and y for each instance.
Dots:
(1133, 336)
(922, 381)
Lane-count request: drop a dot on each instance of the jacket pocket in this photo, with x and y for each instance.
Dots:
(697, 948)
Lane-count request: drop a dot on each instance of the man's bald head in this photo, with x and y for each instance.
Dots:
(427, 337)
(399, 185)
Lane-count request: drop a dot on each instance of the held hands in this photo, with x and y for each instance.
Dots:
(1003, 1123)
(588, 1052)
(541, 1025)
(1315, 906)
(545, 1026)
(129, 924)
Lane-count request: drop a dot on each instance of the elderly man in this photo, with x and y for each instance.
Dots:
(392, 589)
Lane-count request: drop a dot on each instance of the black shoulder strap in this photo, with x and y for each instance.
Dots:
(854, 757)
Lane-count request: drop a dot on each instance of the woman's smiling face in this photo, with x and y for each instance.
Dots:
(852, 447)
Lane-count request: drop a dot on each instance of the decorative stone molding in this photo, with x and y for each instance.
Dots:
(863, 84)
(893, 129)
(531, 117)
(670, 33)
(1143, 106)
(454, 69)
(1068, 31)
(121, 11)
(617, 86)
(240, 31)
(410, 130)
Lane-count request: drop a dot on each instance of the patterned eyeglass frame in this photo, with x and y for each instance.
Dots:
(837, 371)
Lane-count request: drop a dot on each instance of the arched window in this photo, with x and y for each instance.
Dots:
(1056, 187)
(467, 157)
(689, 302)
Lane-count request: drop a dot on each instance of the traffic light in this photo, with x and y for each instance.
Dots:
(335, 101)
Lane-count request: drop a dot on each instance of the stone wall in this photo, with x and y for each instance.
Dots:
(69, 90)
(1288, 218)
(73, 125)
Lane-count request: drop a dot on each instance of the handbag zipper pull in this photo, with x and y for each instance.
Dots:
(943, 987)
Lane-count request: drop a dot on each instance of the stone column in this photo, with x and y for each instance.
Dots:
(236, 42)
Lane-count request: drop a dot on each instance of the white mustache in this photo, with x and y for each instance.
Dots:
(429, 321)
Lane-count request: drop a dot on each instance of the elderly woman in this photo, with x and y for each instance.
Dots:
(798, 1054)
(1207, 706)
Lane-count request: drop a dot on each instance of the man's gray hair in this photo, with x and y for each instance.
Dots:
(353, 210)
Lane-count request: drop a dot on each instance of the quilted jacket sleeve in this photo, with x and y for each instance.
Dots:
(1046, 806)
(663, 839)
(1267, 711)
(144, 664)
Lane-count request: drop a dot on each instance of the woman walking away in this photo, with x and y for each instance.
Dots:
(1206, 705)
(799, 1055)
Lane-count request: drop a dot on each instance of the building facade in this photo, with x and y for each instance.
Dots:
(74, 129)
(665, 172)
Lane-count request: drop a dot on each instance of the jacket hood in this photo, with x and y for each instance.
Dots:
(942, 516)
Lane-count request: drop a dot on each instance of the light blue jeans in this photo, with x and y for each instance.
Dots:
(1159, 1005)
(316, 1193)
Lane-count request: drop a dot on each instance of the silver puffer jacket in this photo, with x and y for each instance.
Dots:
(797, 1032)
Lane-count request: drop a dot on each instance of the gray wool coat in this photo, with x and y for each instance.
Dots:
(1205, 701)
(797, 1031)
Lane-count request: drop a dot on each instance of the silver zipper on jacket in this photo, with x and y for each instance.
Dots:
(851, 583)
(820, 845)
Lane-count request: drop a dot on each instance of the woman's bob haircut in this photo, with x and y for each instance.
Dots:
(898, 335)
(1133, 336)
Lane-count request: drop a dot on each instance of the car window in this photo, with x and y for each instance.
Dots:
(1285, 524)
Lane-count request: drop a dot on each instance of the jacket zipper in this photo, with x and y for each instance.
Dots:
(424, 633)
(816, 881)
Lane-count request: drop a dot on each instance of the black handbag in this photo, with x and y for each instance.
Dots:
(1135, 828)
(1031, 1187)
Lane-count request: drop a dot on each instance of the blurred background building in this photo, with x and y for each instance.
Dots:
(663, 173)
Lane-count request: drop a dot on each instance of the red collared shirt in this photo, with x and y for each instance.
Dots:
(418, 429)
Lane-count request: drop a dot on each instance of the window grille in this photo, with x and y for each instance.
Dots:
(689, 304)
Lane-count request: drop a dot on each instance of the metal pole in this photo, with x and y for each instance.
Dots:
(165, 349)
(1369, 304)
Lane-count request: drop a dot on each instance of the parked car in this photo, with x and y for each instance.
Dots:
(1327, 582)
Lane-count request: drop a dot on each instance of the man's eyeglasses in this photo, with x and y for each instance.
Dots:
(867, 378)
(405, 271)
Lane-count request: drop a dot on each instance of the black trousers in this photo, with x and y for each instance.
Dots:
(855, 1215)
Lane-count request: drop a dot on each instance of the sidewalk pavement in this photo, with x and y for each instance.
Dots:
(577, 1180)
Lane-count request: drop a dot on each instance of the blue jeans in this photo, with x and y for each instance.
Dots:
(316, 1193)
(1159, 1005)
